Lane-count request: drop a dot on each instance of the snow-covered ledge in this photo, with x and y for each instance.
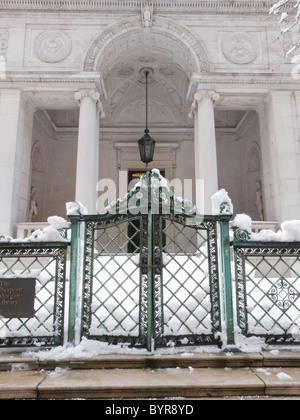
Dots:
(44, 232)
(258, 226)
(26, 229)
(243, 231)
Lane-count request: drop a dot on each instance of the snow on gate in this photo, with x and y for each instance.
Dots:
(152, 278)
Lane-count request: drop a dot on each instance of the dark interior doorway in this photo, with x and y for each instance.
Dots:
(138, 173)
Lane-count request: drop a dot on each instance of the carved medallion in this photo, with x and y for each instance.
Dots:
(52, 46)
(240, 48)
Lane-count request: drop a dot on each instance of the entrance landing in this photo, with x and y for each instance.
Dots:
(185, 375)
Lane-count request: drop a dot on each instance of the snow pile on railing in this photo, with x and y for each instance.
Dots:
(52, 233)
(221, 203)
(76, 209)
(242, 226)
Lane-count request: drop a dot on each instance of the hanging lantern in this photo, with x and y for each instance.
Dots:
(147, 143)
(147, 147)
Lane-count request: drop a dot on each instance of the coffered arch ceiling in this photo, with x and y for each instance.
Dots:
(121, 53)
(125, 86)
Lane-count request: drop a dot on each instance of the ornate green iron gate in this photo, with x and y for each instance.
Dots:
(166, 292)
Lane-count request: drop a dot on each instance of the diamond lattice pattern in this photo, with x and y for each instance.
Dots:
(115, 283)
(273, 297)
(186, 285)
(44, 270)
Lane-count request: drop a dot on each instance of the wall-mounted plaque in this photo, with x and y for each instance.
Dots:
(17, 297)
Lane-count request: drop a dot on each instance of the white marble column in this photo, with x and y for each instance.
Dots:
(279, 128)
(88, 148)
(206, 167)
(16, 122)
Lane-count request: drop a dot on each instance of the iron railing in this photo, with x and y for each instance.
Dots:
(268, 290)
(40, 267)
(191, 294)
(158, 274)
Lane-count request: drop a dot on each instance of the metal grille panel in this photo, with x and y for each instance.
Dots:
(112, 280)
(190, 289)
(268, 292)
(48, 265)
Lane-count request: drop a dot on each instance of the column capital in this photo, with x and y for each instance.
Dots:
(200, 95)
(206, 94)
(92, 94)
(87, 93)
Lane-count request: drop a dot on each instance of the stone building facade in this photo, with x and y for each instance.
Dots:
(224, 102)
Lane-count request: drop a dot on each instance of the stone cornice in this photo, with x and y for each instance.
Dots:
(241, 82)
(29, 79)
(134, 6)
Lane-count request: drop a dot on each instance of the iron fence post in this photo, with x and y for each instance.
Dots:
(226, 279)
(150, 287)
(74, 273)
(150, 269)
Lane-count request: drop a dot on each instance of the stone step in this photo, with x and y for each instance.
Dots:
(18, 361)
(150, 383)
(123, 376)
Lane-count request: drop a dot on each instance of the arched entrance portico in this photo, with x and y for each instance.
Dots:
(114, 61)
(96, 51)
(174, 56)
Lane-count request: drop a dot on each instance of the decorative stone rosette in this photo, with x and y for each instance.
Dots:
(240, 48)
(52, 46)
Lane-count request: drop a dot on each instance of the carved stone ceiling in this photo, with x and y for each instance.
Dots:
(168, 85)
(125, 105)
